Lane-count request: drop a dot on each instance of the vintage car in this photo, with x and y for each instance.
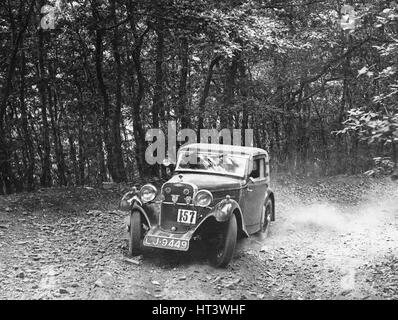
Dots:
(217, 194)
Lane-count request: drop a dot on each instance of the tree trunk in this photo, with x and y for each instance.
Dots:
(106, 118)
(158, 103)
(81, 177)
(229, 89)
(59, 152)
(206, 91)
(182, 92)
(116, 119)
(106, 103)
(100, 165)
(244, 90)
(138, 95)
(6, 175)
(72, 157)
(46, 162)
(30, 158)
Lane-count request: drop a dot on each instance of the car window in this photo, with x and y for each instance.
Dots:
(262, 168)
(255, 174)
(258, 171)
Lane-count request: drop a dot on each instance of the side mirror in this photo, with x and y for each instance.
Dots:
(251, 179)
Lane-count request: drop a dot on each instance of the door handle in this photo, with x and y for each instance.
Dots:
(249, 190)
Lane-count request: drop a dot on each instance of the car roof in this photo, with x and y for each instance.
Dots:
(251, 151)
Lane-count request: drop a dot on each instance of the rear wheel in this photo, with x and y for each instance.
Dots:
(135, 233)
(266, 216)
(225, 248)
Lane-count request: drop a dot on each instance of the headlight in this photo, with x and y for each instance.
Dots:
(148, 193)
(203, 198)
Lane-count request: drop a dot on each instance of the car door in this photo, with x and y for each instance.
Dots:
(254, 193)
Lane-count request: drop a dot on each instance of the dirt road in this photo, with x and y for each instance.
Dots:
(334, 238)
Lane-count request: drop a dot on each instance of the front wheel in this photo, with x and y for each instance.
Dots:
(135, 233)
(225, 248)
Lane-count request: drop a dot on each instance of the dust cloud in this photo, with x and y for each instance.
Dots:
(319, 217)
(339, 229)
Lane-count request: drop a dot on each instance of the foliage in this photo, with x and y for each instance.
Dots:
(377, 121)
(77, 100)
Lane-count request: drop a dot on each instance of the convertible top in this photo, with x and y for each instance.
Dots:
(211, 147)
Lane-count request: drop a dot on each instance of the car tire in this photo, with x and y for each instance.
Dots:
(225, 249)
(135, 233)
(266, 216)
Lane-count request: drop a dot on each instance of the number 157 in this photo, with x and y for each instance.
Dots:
(187, 216)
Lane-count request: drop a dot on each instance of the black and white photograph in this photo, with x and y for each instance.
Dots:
(225, 151)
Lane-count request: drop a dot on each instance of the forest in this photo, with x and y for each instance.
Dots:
(82, 81)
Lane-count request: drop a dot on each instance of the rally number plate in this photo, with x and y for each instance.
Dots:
(186, 216)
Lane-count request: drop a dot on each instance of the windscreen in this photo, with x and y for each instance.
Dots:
(212, 162)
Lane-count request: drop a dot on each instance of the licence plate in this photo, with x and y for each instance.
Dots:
(166, 243)
(186, 216)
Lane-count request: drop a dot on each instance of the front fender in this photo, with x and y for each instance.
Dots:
(149, 213)
(137, 207)
(223, 211)
(128, 200)
(131, 201)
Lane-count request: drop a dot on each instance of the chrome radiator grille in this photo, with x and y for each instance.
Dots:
(178, 196)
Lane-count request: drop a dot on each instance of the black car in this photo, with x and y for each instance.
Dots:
(217, 194)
